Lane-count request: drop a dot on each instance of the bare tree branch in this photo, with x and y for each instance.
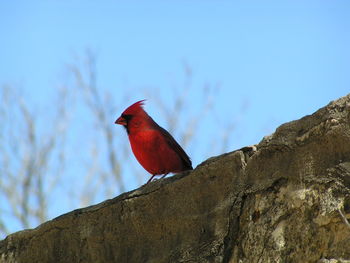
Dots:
(27, 155)
(87, 83)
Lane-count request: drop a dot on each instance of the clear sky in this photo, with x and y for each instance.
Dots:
(282, 59)
(286, 58)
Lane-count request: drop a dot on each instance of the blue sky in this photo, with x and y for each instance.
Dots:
(287, 58)
(282, 59)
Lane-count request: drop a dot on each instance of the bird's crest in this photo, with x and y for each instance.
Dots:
(134, 108)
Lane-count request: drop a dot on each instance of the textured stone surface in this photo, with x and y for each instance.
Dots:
(286, 199)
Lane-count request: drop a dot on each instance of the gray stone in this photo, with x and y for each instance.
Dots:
(286, 199)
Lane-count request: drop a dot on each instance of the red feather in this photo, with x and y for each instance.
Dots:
(134, 108)
(154, 148)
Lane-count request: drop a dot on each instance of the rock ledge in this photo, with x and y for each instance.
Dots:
(286, 199)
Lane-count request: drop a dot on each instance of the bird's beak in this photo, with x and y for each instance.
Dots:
(121, 121)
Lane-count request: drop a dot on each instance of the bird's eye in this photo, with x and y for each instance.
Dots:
(127, 117)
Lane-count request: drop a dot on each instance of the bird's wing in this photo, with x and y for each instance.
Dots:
(177, 148)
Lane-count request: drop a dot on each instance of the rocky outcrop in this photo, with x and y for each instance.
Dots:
(286, 199)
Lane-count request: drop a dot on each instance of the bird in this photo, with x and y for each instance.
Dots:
(154, 147)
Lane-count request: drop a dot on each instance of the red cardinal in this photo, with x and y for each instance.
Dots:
(154, 147)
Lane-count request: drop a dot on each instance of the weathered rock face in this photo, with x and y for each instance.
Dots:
(283, 200)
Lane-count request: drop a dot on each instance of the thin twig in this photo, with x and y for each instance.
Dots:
(344, 218)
